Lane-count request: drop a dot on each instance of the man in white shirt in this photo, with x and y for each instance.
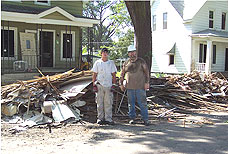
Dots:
(104, 76)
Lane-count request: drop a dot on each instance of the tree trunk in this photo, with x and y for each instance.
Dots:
(140, 13)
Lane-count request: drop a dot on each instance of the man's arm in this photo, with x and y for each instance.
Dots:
(94, 78)
(147, 76)
(146, 72)
(122, 76)
(114, 78)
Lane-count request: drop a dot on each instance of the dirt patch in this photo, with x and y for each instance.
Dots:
(197, 133)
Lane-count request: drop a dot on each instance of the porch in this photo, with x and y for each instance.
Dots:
(26, 68)
(200, 67)
(31, 64)
(210, 51)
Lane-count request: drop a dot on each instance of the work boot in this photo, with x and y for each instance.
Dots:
(109, 122)
(146, 123)
(132, 121)
(100, 122)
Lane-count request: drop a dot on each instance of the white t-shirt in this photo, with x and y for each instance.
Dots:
(104, 71)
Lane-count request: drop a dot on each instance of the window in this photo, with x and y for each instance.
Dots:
(214, 54)
(202, 53)
(7, 43)
(28, 44)
(171, 59)
(67, 45)
(42, 2)
(211, 19)
(223, 26)
(154, 22)
(165, 20)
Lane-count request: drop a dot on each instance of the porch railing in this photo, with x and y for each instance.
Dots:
(29, 63)
(200, 67)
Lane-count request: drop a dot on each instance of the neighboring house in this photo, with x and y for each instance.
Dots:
(41, 34)
(189, 35)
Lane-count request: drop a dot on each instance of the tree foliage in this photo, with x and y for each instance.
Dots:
(113, 17)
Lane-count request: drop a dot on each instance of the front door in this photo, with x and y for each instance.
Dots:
(46, 49)
(226, 60)
(28, 49)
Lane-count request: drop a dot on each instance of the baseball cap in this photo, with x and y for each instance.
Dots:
(104, 50)
(131, 48)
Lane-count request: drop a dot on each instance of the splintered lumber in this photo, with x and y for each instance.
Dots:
(168, 97)
(42, 82)
(194, 91)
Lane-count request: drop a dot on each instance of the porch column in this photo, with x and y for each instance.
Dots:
(208, 57)
(192, 59)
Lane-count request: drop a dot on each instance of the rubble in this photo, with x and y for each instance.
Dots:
(48, 95)
(68, 98)
(194, 92)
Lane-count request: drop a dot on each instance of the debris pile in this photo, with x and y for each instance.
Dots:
(68, 97)
(192, 92)
(45, 99)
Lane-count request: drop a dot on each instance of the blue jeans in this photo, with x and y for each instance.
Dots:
(140, 96)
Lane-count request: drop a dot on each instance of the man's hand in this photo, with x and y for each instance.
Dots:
(95, 89)
(113, 88)
(147, 86)
(122, 88)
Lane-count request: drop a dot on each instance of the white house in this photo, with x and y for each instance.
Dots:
(189, 35)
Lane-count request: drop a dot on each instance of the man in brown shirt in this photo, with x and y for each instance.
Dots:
(137, 82)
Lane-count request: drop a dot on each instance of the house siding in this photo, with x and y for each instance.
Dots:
(201, 22)
(56, 16)
(201, 19)
(220, 58)
(180, 32)
(163, 40)
(22, 27)
(74, 7)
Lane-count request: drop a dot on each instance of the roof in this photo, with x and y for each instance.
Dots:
(179, 6)
(30, 10)
(22, 9)
(187, 9)
(172, 51)
(209, 32)
(35, 15)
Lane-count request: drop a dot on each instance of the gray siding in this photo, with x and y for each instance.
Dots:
(201, 19)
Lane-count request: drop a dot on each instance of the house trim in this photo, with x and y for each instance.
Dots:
(56, 9)
(208, 37)
(73, 46)
(226, 24)
(214, 18)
